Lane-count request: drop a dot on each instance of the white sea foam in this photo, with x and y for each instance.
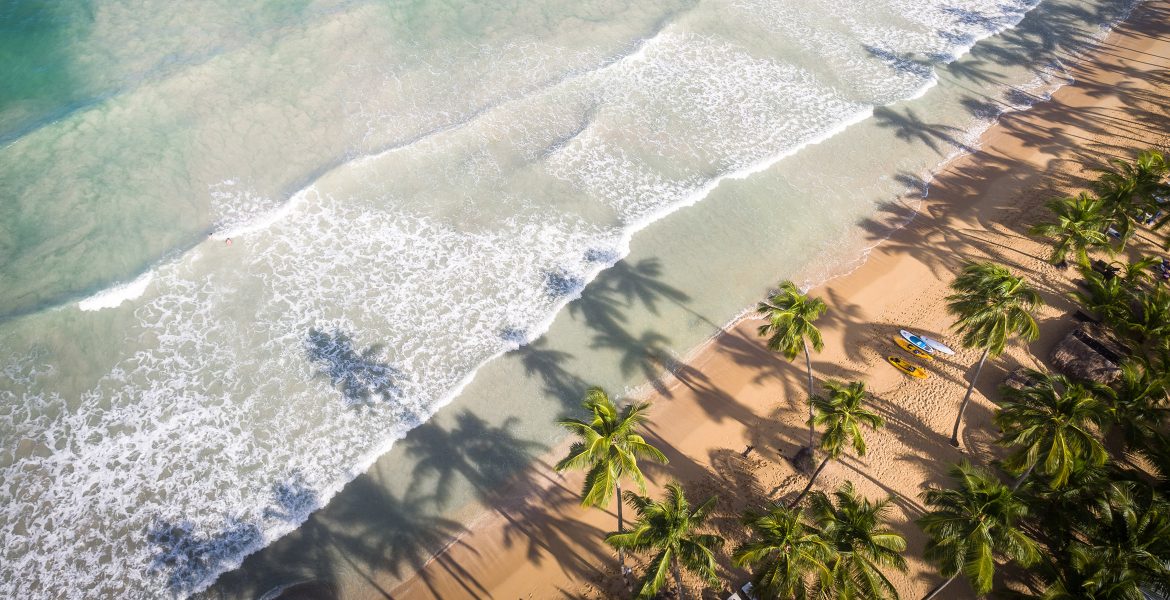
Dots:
(241, 211)
(251, 389)
(115, 295)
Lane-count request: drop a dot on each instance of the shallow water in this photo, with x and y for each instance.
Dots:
(411, 189)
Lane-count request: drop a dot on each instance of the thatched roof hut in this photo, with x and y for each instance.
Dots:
(1089, 352)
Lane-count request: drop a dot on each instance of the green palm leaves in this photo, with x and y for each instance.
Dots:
(1051, 421)
(972, 524)
(990, 304)
(1106, 297)
(862, 546)
(791, 315)
(1124, 548)
(788, 555)
(1140, 403)
(790, 328)
(842, 416)
(840, 556)
(669, 529)
(1128, 189)
(609, 447)
(1079, 226)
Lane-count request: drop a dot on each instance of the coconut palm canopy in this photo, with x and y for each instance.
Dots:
(790, 316)
(609, 447)
(1079, 226)
(788, 555)
(991, 303)
(1052, 421)
(1140, 404)
(790, 329)
(669, 528)
(1130, 189)
(842, 416)
(862, 544)
(973, 523)
(1106, 297)
(1120, 552)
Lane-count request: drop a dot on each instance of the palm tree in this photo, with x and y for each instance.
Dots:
(609, 447)
(1140, 403)
(1124, 549)
(970, 525)
(1138, 272)
(1129, 189)
(1106, 297)
(862, 545)
(790, 328)
(1054, 509)
(842, 416)
(1079, 227)
(1149, 322)
(787, 553)
(1157, 455)
(1049, 419)
(991, 303)
(668, 527)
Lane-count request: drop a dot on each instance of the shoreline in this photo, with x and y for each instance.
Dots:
(726, 388)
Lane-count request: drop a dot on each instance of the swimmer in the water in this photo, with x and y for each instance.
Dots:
(228, 242)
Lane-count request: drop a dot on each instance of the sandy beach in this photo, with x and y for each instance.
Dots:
(732, 394)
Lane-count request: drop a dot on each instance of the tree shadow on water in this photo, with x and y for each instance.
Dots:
(641, 281)
(362, 376)
(604, 305)
(486, 456)
(398, 535)
(646, 354)
(498, 466)
(907, 125)
(293, 499)
(189, 555)
(539, 360)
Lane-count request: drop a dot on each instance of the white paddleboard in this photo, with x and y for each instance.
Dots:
(939, 346)
(917, 341)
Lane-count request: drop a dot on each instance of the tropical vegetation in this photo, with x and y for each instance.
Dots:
(1079, 226)
(862, 546)
(790, 558)
(1078, 508)
(991, 304)
(1052, 421)
(842, 416)
(972, 525)
(838, 547)
(790, 329)
(609, 446)
(670, 530)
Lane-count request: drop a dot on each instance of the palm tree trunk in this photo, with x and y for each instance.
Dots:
(967, 399)
(682, 592)
(1020, 481)
(940, 588)
(810, 482)
(621, 527)
(808, 364)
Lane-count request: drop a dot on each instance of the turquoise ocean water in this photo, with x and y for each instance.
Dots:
(410, 191)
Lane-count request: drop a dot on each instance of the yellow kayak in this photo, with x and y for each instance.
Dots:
(914, 351)
(907, 367)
